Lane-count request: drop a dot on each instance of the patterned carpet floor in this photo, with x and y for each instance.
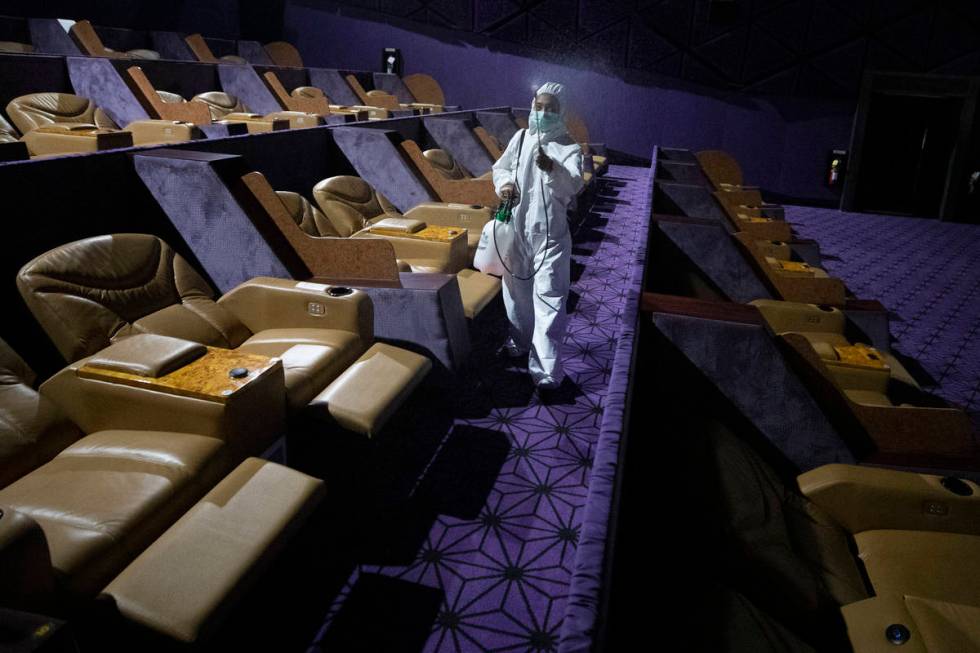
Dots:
(477, 552)
(927, 273)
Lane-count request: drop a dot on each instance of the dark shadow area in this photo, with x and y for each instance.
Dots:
(718, 600)
(915, 368)
(564, 394)
(464, 471)
(383, 615)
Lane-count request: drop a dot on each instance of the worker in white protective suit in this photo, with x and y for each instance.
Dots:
(542, 177)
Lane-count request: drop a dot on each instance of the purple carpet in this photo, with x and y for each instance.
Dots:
(517, 482)
(927, 273)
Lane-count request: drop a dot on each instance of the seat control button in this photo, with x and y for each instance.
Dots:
(238, 372)
(897, 634)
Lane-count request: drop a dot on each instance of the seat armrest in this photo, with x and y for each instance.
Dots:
(151, 132)
(868, 620)
(470, 216)
(870, 498)
(296, 119)
(268, 303)
(25, 563)
(203, 398)
(148, 354)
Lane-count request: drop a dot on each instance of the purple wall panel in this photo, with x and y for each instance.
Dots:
(780, 147)
(96, 78)
(242, 81)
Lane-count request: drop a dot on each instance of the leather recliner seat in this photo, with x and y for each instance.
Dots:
(350, 204)
(59, 123)
(449, 167)
(93, 292)
(98, 499)
(349, 208)
(149, 521)
(315, 94)
(851, 551)
(226, 107)
(29, 112)
(411, 255)
(825, 330)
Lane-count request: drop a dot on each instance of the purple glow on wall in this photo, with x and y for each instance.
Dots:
(780, 142)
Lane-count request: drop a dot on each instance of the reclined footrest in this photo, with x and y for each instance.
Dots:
(182, 584)
(367, 394)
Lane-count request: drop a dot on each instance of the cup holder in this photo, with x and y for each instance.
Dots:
(826, 308)
(339, 291)
(475, 206)
(957, 486)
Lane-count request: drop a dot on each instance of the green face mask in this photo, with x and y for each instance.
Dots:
(544, 121)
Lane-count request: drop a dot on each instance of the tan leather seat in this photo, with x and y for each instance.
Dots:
(16, 47)
(351, 204)
(824, 330)
(106, 497)
(101, 498)
(32, 429)
(38, 109)
(224, 106)
(61, 123)
(348, 206)
(221, 104)
(346, 221)
(7, 132)
(447, 166)
(92, 292)
(167, 96)
(798, 550)
(144, 53)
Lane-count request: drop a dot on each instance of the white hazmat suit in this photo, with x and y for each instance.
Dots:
(535, 296)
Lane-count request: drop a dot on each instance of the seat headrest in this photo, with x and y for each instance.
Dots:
(167, 96)
(309, 218)
(90, 292)
(308, 92)
(144, 53)
(221, 104)
(350, 203)
(345, 188)
(37, 109)
(444, 163)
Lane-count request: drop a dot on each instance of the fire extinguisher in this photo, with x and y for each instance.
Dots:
(836, 164)
(834, 173)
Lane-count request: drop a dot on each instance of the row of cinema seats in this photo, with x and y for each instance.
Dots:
(826, 533)
(85, 40)
(130, 475)
(135, 476)
(67, 123)
(62, 123)
(424, 92)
